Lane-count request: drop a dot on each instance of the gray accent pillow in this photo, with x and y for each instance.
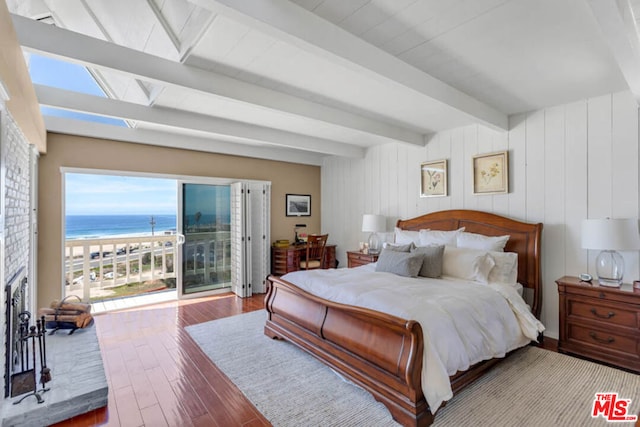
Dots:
(400, 263)
(400, 248)
(432, 261)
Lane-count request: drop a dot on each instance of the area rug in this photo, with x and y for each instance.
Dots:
(533, 387)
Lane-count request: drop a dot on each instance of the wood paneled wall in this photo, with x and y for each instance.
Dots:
(567, 163)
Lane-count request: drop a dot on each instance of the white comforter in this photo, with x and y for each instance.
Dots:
(463, 322)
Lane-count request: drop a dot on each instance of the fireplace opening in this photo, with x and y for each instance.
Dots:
(16, 303)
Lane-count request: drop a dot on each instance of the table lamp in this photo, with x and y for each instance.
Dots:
(298, 238)
(609, 236)
(374, 224)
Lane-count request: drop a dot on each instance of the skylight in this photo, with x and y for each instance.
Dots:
(65, 75)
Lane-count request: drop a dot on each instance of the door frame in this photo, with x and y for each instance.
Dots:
(191, 178)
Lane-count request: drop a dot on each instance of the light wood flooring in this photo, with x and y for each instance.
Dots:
(158, 376)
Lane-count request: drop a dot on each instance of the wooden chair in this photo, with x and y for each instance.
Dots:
(315, 252)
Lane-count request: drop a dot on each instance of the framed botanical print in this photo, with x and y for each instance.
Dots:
(491, 173)
(433, 178)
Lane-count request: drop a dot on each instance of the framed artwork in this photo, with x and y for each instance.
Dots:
(491, 173)
(298, 205)
(433, 178)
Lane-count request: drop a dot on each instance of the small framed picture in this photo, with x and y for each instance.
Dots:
(433, 178)
(298, 205)
(491, 173)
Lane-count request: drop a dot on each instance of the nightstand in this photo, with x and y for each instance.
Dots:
(356, 259)
(600, 323)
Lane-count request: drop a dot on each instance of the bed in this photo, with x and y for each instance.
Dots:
(384, 353)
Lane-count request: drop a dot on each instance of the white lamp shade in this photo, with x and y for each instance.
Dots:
(373, 223)
(611, 234)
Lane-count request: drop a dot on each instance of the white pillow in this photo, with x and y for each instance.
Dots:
(479, 241)
(468, 264)
(505, 269)
(436, 237)
(404, 237)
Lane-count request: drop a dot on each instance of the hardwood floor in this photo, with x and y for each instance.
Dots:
(158, 376)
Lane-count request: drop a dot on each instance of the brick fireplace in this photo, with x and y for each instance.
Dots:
(17, 219)
(78, 380)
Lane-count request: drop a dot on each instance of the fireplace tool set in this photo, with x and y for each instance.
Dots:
(31, 346)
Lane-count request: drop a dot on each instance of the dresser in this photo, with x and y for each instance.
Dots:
(356, 258)
(600, 323)
(287, 259)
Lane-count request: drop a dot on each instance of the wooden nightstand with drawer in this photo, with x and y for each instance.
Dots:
(356, 259)
(599, 322)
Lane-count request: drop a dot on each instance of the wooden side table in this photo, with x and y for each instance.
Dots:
(599, 322)
(356, 258)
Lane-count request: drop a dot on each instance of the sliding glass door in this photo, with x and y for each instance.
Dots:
(205, 222)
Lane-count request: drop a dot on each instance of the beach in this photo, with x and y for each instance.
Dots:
(100, 226)
(108, 233)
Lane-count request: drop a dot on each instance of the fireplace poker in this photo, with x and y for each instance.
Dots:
(45, 373)
(26, 346)
(22, 341)
(33, 336)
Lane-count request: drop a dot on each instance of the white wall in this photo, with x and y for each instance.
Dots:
(567, 163)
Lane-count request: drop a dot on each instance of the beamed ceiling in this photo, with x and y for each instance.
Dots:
(302, 79)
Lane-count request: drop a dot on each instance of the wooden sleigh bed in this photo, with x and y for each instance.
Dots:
(383, 353)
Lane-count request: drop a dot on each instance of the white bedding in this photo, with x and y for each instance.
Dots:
(492, 320)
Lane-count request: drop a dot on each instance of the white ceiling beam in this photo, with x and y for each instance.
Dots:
(97, 53)
(166, 139)
(90, 25)
(294, 24)
(617, 23)
(161, 20)
(217, 127)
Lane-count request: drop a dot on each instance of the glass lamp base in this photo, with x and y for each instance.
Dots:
(610, 268)
(374, 244)
(609, 283)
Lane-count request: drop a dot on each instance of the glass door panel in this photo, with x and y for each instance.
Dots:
(206, 226)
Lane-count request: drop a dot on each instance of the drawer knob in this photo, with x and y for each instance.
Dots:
(600, 340)
(609, 315)
(602, 295)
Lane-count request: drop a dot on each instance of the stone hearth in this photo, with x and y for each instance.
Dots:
(78, 382)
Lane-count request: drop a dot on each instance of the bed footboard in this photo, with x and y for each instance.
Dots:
(379, 352)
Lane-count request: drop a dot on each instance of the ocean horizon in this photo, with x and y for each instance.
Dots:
(96, 226)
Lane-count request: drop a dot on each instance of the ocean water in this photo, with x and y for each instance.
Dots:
(94, 226)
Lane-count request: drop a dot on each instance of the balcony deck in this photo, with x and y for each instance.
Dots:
(133, 301)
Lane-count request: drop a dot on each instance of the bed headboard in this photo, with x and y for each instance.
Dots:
(525, 240)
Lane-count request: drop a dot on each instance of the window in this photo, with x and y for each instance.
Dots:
(66, 75)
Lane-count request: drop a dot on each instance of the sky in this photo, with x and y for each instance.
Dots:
(89, 194)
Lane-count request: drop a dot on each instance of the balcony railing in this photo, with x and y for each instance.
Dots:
(94, 267)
